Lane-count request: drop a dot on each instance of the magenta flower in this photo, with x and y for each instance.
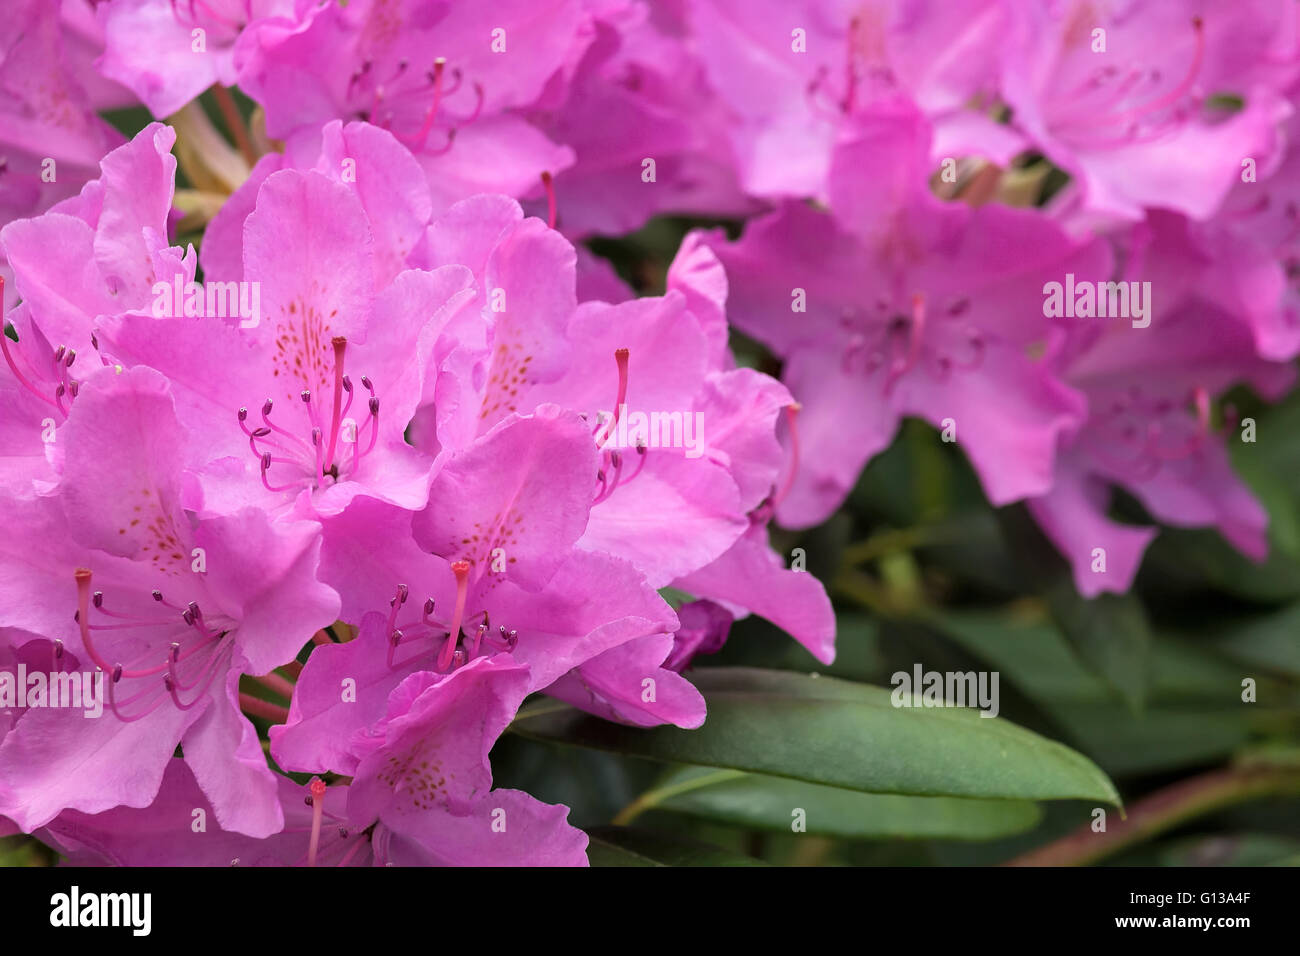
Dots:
(169, 612)
(898, 304)
(489, 569)
(421, 797)
(168, 53)
(793, 76)
(426, 779)
(688, 452)
(1130, 118)
(1148, 430)
(290, 402)
(449, 81)
(51, 141)
(100, 252)
(648, 135)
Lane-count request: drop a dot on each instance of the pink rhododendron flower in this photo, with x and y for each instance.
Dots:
(647, 134)
(51, 141)
(793, 76)
(301, 416)
(489, 569)
(673, 508)
(1131, 119)
(449, 81)
(421, 797)
(168, 53)
(1148, 431)
(898, 304)
(169, 613)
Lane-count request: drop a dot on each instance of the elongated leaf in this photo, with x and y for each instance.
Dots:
(778, 803)
(634, 846)
(843, 734)
(1111, 634)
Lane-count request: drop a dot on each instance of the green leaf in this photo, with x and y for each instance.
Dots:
(1112, 636)
(824, 730)
(770, 803)
(1266, 640)
(1194, 715)
(634, 846)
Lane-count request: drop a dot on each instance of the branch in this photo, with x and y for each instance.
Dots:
(1164, 810)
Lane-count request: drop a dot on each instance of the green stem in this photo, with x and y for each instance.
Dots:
(652, 798)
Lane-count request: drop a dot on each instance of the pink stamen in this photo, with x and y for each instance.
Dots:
(915, 336)
(1174, 95)
(461, 570)
(422, 136)
(9, 359)
(620, 399)
(340, 346)
(317, 788)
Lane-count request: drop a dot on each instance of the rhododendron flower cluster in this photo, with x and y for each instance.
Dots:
(332, 446)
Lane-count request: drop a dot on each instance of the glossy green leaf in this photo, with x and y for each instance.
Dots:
(780, 803)
(634, 846)
(843, 734)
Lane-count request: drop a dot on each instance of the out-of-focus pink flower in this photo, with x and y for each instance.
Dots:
(1120, 97)
(794, 75)
(450, 81)
(169, 52)
(896, 304)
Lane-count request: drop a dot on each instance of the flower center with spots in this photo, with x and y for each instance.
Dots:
(451, 643)
(891, 343)
(318, 454)
(1134, 434)
(410, 106)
